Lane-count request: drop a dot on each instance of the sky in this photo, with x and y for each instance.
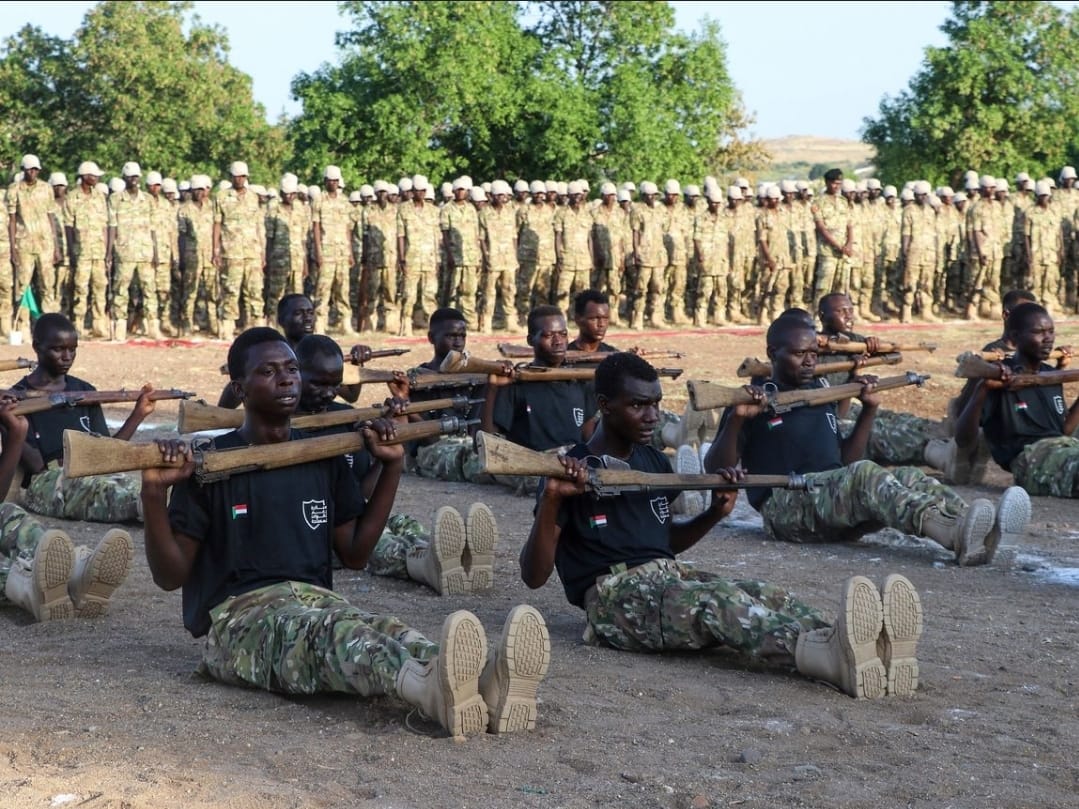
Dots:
(802, 68)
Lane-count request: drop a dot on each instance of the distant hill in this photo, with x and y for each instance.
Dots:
(811, 149)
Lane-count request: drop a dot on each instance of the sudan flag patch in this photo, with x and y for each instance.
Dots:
(1020, 407)
(776, 422)
(598, 521)
(239, 510)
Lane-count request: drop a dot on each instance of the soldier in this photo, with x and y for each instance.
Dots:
(330, 223)
(536, 256)
(287, 226)
(742, 217)
(239, 251)
(1022, 201)
(919, 254)
(574, 251)
(33, 233)
(712, 249)
(380, 256)
(649, 259)
(609, 228)
(986, 217)
(6, 275)
(417, 249)
(62, 292)
(199, 277)
(949, 242)
(166, 248)
(132, 234)
(1044, 247)
(835, 231)
(1067, 197)
(677, 230)
(498, 239)
(774, 241)
(185, 191)
(462, 254)
(89, 249)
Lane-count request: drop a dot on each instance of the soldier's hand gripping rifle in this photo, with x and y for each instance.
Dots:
(706, 395)
(86, 454)
(501, 457)
(82, 398)
(971, 366)
(198, 416)
(835, 345)
(751, 366)
(458, 362)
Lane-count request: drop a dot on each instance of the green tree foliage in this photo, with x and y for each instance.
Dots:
(1001, 97)
(586, 89)
(132, 85)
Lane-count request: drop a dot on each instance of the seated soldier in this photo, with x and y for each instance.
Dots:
(850, 497)
(1029, 430)
(460, 557)
(253, 556)
(616, 557)
(99, 498)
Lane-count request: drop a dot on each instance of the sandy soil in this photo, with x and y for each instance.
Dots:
(108, 713)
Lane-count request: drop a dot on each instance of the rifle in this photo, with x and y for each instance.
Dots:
(501, 457)
(998, 356)
(87, 454)
(198, 416)
(375, 354)
(751, 366)
(417, 379)
(80, 398)
(14, 365)
(457, 362)
(971, 366)
(706, 395)
(833, 345)
(519, 352)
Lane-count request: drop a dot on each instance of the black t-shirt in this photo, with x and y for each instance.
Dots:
(544, 415)
(260, 528)
(597, 533)
(1000, 344)
(46, 433)
(805, 439)
(1014, 419)
(359, 462)
(604, 348)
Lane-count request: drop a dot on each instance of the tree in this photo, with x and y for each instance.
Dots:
(1001, 97)
(132, 85)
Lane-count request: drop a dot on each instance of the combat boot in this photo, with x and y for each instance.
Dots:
(98, 572)
(979, 459)
(40, 586)
(446, 688)
(119, 330)
(441, 564)
(481, 536)
(904, 313)
(227, 325)
(514, 670)
(152, 330)
(964, 535)
(392, 321)
(1012, 516)
(941, 454)
(845, 655)
(898, 642)
(406, 327)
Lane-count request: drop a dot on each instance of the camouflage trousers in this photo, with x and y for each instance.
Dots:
(99, 498)
(451, 458)
(854, 500)
(19, 535)
(401, 535)
(897, 439)
(1049, 468)
(665, 605)
(298, 638)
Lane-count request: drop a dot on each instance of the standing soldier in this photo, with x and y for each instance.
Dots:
(195, 226)
(790, 215)
(380, 256)
(498, 237)
(949, 245)
(132, 234)
(677, 228)
(649, 259)
(743, 222)
(33, 233)
(417, 249)
(62, 290)
(774, 239)
(609, 223)
(891, 244)
(166, 248)
(5, 275)
(239, 251)
(330, 223)
(808, 237)
(462, 256)
(835, 230)
(1006, 212)
(918, 233)
(1023, 201)
(712, 247)
(89, 250)
(1067, 202)
(984, 232)
(574, 252)
(535, 245)
(1044, 243)
(287, 226)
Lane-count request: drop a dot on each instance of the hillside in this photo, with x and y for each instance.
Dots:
(811, 149)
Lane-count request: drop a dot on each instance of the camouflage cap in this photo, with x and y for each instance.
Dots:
(57, 178)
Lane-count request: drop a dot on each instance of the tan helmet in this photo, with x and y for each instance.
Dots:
(238, 169)
(57, 178)
(131, 169)
(30, 161)
(153, 178)
(89, 168)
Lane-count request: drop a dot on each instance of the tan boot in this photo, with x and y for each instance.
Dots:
(119, 330)
(845, 655)
(153, 330)
(964, 535)
(227, 329)
(514, 670)
(979, 460)
(898, 642)
(941, 454)
(40, 586)
(98, 572)
(446, 689)
(1012, 516)
(441, 564)
(481, 536)
(393, 321)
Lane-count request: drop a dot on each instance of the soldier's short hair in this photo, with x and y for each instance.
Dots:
(1023, 315)
(313, 346)
(832, 175)
(287, 301)
(49, 324)
(444, 315)
(587, 296)
(782, 328)
(242, 345)
(540, 312)
(616, 368)
(1013, 297)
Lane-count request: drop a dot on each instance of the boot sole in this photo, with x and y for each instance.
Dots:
(108, 570)
(859, 625)
(448, 545)
(53, 563)
(462, 654)
(1012, 516)
(481, 536)
(523, 659)
(977, 524)
(902, 630)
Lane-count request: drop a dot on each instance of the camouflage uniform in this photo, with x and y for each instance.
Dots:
(743, 257)
(677, 230)
(897, 439)
(807, 232)
(535, 256)
(98, 498)
(919, 225)
(332, 212)
(648, 222)
(87, 215)
(856, 275)
(609, 230)
(166, 236)
(380, 258)
(287, 229)
(832, 213)
(6, 308)
(451, 458)
(857, 499)
(498, 231)
(949, 256)
(401, 535)
(666, 605)
(19, 536)
(891, 245)
(985, 219)
(298, 638)
(196, 234)
(1049, 467)
(35, 239)
(418, 226)
(575, 265)
(131, 215)
(1042, 229)
(460, 226)
(243, 245)
(711, 235)
(773, 231)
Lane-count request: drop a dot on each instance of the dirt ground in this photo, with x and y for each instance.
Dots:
(108, 713)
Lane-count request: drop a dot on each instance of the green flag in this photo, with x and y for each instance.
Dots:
(28, 301)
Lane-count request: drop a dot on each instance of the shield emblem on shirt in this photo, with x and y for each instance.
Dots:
(832, 422)
(84, 422)
(660, 507)
(315, 513)
(578, 416)
(1058, 401)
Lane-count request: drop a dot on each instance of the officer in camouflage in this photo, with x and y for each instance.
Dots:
(195, 226)
(86, 224)
(331, 224)
(132, 233)
(239, 251)
(33, 232)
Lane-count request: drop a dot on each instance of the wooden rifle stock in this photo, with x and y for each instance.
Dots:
(501, 457)
(519, 352)
(972, 366)
(16, 364)
(376, 353)
(751, 366)
(457, 362)
(86, 454)
(78, 398)
(417, 380)
(831, 345)
(997, 356)
(706, 395)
